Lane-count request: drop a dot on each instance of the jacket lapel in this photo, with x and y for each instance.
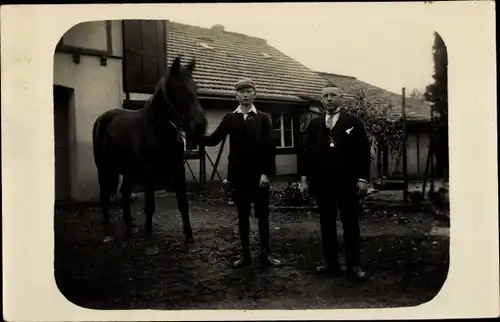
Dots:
(238, 122)
(253, 125)
(341, 124)
(319, 126)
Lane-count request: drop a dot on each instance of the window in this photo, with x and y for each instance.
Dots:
(283, 130)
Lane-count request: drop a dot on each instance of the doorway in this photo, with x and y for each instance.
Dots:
(62, 97)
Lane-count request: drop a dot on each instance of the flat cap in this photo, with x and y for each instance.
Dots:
(244, 82)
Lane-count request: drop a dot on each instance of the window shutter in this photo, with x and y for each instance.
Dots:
(143, 54)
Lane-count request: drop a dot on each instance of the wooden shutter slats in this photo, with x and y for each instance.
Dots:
(144, 54)
(150, 73)
(150, 43)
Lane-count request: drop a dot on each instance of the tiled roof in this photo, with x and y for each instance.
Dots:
(223, 57)
(415, 109)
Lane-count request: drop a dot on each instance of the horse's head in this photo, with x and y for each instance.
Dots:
(179, 90)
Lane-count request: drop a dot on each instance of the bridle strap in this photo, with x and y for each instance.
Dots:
(170, 105)
(171, 109)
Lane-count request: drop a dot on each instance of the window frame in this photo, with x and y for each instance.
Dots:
(282, 130)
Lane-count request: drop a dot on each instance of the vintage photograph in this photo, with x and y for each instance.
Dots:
(215, 162)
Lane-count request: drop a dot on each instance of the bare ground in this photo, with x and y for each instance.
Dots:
(407, 266)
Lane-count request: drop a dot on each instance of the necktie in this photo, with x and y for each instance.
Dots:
(329, 121)
(248, 116)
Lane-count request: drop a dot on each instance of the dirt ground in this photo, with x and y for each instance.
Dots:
(407, 266)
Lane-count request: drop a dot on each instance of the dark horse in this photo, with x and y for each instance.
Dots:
(146, 147)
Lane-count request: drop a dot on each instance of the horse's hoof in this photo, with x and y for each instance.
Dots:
(107, 239)
(153, 250)
(189, 240)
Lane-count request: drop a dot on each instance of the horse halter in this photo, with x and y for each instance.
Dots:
(173, 111)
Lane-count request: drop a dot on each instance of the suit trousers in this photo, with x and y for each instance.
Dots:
(345, 196)
(246, 191)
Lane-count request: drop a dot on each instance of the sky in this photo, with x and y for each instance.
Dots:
(368, 42)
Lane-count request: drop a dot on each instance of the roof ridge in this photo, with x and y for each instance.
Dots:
(223, 35)
(339, 75)
(395, 94)
(398, 96)
(380, 88)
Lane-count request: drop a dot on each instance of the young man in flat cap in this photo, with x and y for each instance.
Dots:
(337, 168)
(251, 163)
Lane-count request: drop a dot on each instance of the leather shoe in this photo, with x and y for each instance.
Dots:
(357, 273)
(270, 261)
(327, 268)
(242, 262)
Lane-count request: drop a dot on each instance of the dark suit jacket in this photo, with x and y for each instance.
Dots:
(352, 151)
(251, 149)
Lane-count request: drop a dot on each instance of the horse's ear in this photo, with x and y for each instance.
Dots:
(176, 65)
(190, 66)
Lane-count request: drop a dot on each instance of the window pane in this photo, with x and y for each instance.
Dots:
(277, 138)
(287, 121)
(288, 138)
(276, 121)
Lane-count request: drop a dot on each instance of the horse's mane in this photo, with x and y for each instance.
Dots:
(159, 96)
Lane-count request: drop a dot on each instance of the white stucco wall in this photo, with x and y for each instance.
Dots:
(96, 89)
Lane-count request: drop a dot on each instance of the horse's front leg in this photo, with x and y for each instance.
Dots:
(183, 205)
(149, 210)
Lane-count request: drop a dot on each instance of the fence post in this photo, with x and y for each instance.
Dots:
(405, 161)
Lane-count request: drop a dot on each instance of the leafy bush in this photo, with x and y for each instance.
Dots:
(379, 128)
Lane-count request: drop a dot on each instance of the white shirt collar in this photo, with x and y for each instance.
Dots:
(334, 118)
(252, 109)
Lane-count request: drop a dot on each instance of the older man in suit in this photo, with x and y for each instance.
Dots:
(251, 163)
(337, 168)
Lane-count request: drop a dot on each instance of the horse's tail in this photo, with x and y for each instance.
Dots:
(108, 179)
(98, 135)
(113, 182)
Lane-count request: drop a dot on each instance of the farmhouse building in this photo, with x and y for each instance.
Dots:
(104, 65)
(87, 82)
